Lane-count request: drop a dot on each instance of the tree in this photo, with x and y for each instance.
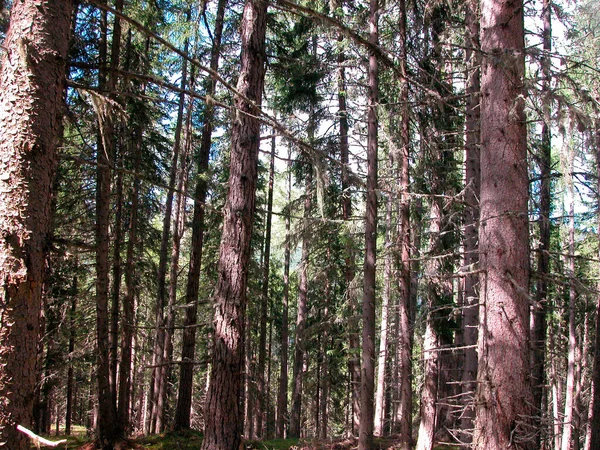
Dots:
(223, 427)
(32, 77)
(188, 349)
(367, 379)
(503, 394)
(473, 180)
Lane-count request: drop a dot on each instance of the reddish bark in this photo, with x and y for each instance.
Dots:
(504, 396)
(32, 76)
(224, 420)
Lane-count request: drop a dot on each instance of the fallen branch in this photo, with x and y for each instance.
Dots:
(38, 439)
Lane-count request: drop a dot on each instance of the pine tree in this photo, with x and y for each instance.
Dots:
(32, 76)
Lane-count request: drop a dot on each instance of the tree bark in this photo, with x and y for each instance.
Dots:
(538, 327)
(224, 421)
(471, 245)
(568, 424)
(188, 349)
(403, 416)
(70, 372)
(32, 76)
(382, 356)
(282, 393)
(302, 315)
(365, 440)
(350, 256)
(504, 396)
(264, 305)
(594, 408)
(108, 430)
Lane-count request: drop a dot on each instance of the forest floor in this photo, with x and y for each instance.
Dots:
(190, 440)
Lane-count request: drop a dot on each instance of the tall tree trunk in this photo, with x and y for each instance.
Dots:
(427, 425)
(594, 409)
(32, 76)
(473, 182)
(125, 382)
(504, 396)
(125, 389)
(365, 441)
(70, 372)
(382, 356)
(158, 382)
(567, 431)
(108, 430)
(538, 328)
(282, 393)
(403, 246)
(350, 256)
(116, 279)
(188, 346)
(223, 427)
(262, 346)
(302, 315)
(178, 228)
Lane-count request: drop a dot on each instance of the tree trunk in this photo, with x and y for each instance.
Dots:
(504, 396)
(70, 372)
(282, 393)
(128, 323)
(365, 441)
(116, 279)
(300, 350)
(382, 356)
(32, 76)
(125, 382)
(538, 328)
(349, 259)
(108, 429)
(427, 425)
(471, 247)
(403, 399)
(158, 382)
(224, 419)
(188, 346)
(262, 346)
(572, 339)
(594, 411)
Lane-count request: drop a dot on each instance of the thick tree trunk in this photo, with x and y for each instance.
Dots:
(188, 349)
(282, 393)
(224, 421)
(302, 315)
(504, 396)
(365, 441)
(471, 246)
(32, 76)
